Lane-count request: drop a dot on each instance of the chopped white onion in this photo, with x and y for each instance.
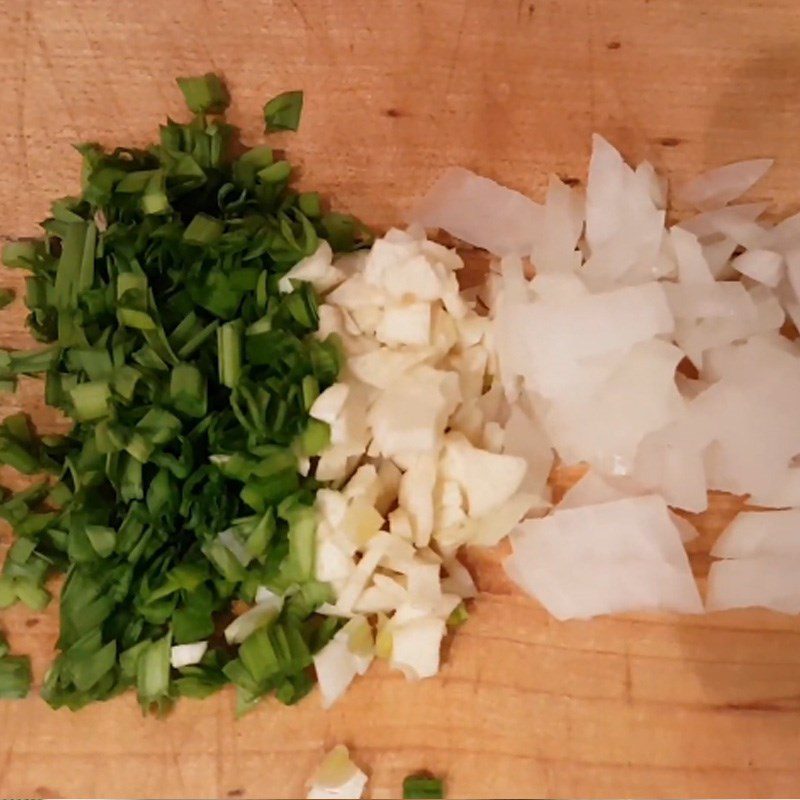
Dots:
(523, 437)
(754, 534)
(480, 212)
(623, 555)
(604, 426)
(624, 226)
(710, 224)
(720, 186)
(693, 266)
(764, 266)
(554, 249)
(768, 582)
(559, 344)
(593, 489)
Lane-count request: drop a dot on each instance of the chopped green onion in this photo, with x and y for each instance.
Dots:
(6, 297)
(310, 204)
(19, 255)
(282, 113)
(315, 438)
(93, 666)
(91, 400)
(206, 94)
(27, 362)
(102, 539)
(152, 675)
(275, 173)
(203, 230)
(134, 318)
(189, 377)
(187, 390)
(345, 232)
(310, 387)
(37, 598)
(422, 787)
(8, 595)
(229, 344)
(154, 197)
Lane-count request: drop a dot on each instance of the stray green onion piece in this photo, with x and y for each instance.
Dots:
(205, 95)
(422, 787)
(282, 113)
(458, 616)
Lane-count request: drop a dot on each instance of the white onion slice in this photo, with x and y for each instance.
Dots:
(550, 342)
(785, 236)
(720, 186)
(720, 299)
(761, 533)
(525, 438)
(593, 489)
(554, 252)
(764, 266)
(624, 555)
(693, 267)
(480, 212)
(767, 582)
(671, 462)
(605, 426)
(605, 193)
(713, 223)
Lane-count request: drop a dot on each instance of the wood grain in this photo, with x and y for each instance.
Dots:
(525, 707)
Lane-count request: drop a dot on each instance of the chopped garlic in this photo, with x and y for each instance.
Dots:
(418, 368)
(415, 646)
(337, 777)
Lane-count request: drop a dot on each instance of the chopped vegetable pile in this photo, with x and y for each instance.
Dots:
(284, 432)
(189, 367)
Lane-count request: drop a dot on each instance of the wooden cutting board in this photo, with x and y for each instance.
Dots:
(396, 90)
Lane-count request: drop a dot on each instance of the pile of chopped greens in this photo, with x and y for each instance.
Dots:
(180, 490)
